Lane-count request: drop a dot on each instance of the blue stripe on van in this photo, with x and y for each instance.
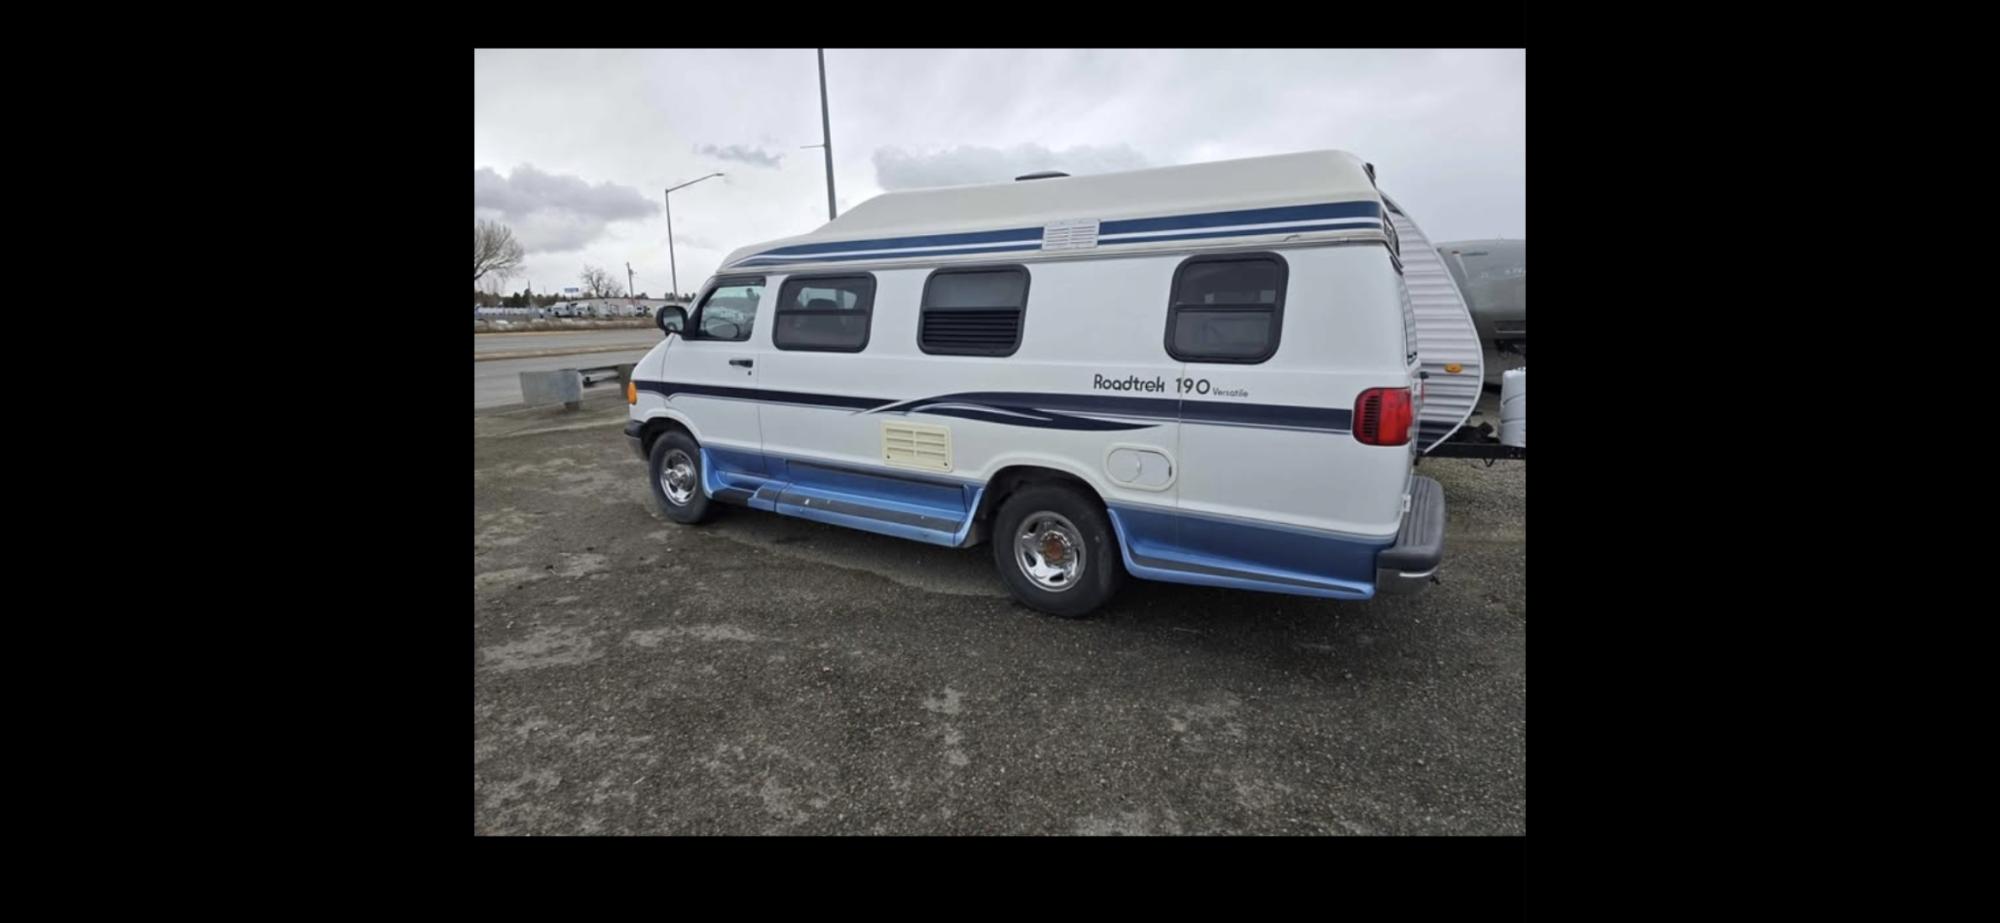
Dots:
(1164, 409)
(929, 240)
(1358, 215)
(1017, 416)
(762, 260)
(1047, 410)
(1356, 225)
(668, 389)
(1247, 216)
(1196, 235)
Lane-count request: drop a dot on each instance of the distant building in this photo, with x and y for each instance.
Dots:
(583, 307)
(610, 307)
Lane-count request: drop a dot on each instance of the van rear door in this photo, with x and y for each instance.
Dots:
(1275, 487)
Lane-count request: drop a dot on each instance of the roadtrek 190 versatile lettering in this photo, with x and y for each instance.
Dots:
(1203, 374)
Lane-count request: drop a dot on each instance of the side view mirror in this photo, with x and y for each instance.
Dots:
(672, 318)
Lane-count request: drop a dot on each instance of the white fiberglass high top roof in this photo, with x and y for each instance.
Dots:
(1309, 192)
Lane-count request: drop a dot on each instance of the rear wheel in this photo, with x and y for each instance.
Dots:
(1055, 550)
(675, 465)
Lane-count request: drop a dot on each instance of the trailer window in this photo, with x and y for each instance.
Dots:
(1227, 308)
(973, 312)
(824, 313)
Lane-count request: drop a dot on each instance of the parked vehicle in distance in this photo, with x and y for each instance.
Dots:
(1493, 275)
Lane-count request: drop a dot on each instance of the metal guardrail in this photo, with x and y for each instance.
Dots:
(566, 386)
(606, 373)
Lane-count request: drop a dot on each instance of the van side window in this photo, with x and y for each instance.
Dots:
(1227, 308)
(824, 313)
(973, 312)
(729, 311)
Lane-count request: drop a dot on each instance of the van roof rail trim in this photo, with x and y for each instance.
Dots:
(1281, 239)
(1359, 213)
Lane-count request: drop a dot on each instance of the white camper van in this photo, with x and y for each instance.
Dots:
(1203, 374)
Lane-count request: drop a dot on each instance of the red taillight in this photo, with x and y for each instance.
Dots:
(1382, 416)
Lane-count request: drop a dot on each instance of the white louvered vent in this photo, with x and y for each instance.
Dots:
(917, 445)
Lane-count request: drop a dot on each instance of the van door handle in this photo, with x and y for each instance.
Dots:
(742, 363)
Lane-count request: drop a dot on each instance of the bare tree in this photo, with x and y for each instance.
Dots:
(495, 252)
(599, 283)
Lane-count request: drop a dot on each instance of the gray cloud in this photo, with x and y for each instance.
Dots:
(554, 213)
(1447, 131)
(754, 156)
(896, 168)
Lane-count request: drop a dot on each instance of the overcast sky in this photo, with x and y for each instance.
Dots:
(572, 149)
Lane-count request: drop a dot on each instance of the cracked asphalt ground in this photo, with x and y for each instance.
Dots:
(767, 675)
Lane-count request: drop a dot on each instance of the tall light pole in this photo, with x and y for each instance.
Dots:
(668, 195)
(630, 292)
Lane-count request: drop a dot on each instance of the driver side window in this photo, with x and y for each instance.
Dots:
(729, 312)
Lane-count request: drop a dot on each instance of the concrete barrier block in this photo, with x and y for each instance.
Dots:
(562, 386)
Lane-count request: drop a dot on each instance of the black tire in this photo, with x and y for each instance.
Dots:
(1099, 572)
(694, 507)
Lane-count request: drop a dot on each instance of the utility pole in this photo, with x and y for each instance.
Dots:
(629, 290)
(826, 134)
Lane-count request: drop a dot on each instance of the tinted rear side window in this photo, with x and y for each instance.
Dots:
(824, 313)
(973, 312)
(1227, 308)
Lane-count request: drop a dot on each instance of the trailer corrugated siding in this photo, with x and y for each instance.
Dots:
(1444, 335)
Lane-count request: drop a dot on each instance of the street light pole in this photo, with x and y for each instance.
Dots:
(669, 196)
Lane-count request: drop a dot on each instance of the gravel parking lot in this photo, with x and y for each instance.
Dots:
(762, 674)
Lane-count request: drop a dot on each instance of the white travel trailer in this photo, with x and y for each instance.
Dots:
(1204, 374)
(1493, 275)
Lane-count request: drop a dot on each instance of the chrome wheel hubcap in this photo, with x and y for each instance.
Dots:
(677, 477)
(1049, 549)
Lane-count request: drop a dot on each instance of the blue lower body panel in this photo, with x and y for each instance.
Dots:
(937, 512)
(1157, 544)
(1179, 548)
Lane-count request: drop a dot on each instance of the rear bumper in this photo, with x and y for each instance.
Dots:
(1409, 564)
(632, 432)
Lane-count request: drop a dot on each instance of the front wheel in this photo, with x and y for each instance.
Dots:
(675, 466)
(1055, 550)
